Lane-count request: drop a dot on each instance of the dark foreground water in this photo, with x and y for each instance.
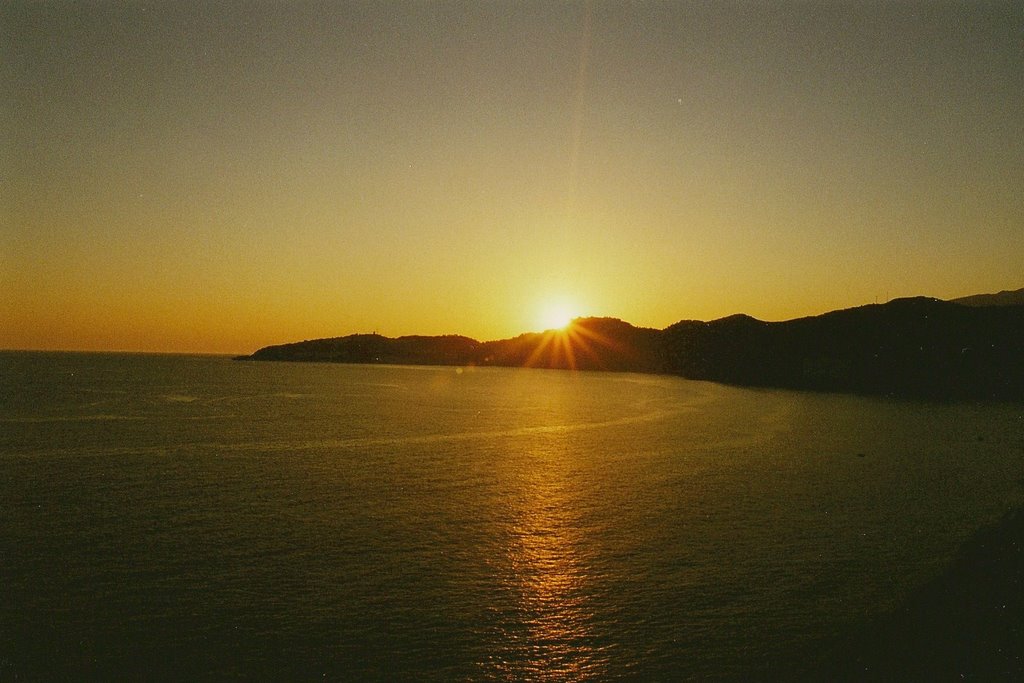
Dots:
(182, 517)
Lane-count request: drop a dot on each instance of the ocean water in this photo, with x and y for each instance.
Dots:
(183, 517)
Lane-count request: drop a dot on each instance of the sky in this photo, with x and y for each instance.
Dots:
(219, 176)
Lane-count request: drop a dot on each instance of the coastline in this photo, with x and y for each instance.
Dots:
(914, 348)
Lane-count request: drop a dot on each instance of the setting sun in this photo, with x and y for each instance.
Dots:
(556, 315)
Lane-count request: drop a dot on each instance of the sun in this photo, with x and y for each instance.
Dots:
(556, 315)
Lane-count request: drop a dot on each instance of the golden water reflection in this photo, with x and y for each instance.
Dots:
(550, 635)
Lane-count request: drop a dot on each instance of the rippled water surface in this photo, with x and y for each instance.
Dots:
(175, 516)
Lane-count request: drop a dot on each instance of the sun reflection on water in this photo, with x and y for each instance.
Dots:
(550, 636)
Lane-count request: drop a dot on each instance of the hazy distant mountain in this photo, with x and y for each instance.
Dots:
(1003, 298)
(908, 347)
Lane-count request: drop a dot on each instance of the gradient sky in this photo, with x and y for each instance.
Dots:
(219, 176)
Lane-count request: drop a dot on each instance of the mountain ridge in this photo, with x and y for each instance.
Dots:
(914, 346)
(1006, 297)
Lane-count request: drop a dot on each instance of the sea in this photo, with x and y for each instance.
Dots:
(173, 517)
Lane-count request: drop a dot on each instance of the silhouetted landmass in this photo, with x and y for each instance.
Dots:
(907, 347)
(588, 344)
(374, 348)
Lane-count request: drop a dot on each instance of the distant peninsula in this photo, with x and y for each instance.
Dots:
(971, 348)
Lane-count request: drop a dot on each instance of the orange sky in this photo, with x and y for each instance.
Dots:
(216, 177)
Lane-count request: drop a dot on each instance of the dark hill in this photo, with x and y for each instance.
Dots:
(920, 346)
(908, 347)
(374, 348)
(587, 344)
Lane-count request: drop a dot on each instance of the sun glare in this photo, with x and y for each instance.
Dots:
(556, 316)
